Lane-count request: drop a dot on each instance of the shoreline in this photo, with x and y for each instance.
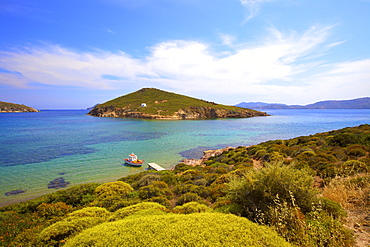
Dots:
(192, 162)
(206, 155)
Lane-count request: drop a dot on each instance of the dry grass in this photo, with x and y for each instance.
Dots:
(353, 193)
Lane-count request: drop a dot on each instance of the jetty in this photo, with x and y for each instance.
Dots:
(155, 166)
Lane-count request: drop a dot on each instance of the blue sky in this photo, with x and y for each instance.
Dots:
(65, 54)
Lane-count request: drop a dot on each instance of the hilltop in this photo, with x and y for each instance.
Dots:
(360, 103)
(10, 107)
(151, 103)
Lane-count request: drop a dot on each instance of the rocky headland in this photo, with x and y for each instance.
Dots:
(11, 107)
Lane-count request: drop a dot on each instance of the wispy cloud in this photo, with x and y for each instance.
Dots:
(283, 64)
(227, 39)
(253, 7)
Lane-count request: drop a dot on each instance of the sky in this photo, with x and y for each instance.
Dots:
(68, 54)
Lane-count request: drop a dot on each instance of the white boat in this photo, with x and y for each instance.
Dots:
(132, 160)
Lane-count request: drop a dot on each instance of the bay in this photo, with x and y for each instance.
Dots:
(36, 148)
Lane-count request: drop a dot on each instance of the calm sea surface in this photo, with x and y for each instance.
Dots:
(36, 148)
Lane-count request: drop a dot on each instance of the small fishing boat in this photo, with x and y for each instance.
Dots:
(132, 160)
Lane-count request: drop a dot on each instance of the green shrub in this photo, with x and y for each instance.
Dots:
(109, 194)
(339, 153)
(189, 197)
(161, 200)
(351, 167)
(188, 175)
(357, 152)
(324, 230)
(258, 190)
(288, 220)
(78, 195)
(332, 208)
(192, 207)
(201, 182)
(203, 229)
(12, 224)
(49, 210)
(182, 167)
(343, 139)
(127, 211)
(150, 191)
(148, 179)
(61, 230)
(90, 212)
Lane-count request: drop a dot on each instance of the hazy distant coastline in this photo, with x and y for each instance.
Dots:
(359, 103)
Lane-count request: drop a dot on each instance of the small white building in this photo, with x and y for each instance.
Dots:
(143, 105)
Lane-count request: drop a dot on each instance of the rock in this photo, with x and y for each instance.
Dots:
(14, 192)
(206, 155)
(58, 183)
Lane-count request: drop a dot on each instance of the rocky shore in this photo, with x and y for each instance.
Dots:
(186, 113)
(206, 155)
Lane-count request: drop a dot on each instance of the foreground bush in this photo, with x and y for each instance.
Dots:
(203, 229)
(257, 191)
(73, 224)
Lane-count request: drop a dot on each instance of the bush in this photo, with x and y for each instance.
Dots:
(61, 230)
(323, 230)
(148, 179)
(203, 229)
(288, 220)
(124, 212)
(343, 139)
(258, 190)
(182, 167)
(90, 212)
(351, 167)
(78, 195)
(150, 191)
(109, 194)
(48, 210)
(192, 207)
(357, 152)
(189, 197)
(332, 208)
(161, 200)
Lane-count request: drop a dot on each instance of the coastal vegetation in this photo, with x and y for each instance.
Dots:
(296, 192)
(158, 104)
(11, 107)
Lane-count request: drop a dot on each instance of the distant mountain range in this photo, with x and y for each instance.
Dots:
(360, 103)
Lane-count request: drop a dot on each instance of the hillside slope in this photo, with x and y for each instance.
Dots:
(151, 103)
(10, 107)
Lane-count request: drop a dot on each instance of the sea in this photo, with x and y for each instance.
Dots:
(75, 148)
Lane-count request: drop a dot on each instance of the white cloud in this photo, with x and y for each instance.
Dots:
(253, 7)
(227, 39)
(283, 64)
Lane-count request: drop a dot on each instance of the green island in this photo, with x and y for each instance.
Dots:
(306, 191)
(151, 103)
(11, 107)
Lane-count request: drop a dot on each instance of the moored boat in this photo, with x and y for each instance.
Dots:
(132, 160)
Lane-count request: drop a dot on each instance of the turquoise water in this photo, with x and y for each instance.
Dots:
(36, 148)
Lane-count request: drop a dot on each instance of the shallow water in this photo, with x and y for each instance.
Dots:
(36, 148)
